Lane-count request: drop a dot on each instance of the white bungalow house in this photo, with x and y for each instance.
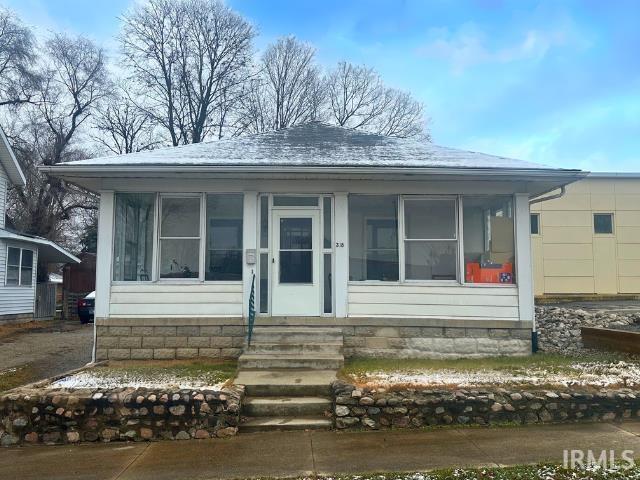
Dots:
(20, 253)
(407, 248)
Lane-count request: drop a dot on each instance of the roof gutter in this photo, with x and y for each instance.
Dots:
(563, 191)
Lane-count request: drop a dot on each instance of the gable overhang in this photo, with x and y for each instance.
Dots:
(105, 177)
(48, 251)
(10, 163)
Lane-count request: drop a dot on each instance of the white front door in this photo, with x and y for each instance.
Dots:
(295, 252)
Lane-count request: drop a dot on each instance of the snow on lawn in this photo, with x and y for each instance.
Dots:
(593, 374)
(105, 378)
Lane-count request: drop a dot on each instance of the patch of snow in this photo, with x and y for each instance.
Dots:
(93, 379)
(584, 374)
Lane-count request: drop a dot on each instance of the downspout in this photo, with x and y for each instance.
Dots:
(560, 194)
(95, 339)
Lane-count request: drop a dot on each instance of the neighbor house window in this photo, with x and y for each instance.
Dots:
(535, 223)
(603, 223)
(224, 237)
(180, 237)
(373, 237)
(489, 253)
(133, 240)
(19, 267)
(430, 239)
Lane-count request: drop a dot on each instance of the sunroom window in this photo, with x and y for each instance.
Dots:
(430, 239)
(180, 237)
(133, 240)
(224, 237)
(373, 237)
(489, 252)
(19, 267)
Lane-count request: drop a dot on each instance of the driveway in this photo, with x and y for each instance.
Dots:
(48, 349)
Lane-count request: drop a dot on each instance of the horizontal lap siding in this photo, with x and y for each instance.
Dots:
(15, 300)
(438, 302)
(175, 300)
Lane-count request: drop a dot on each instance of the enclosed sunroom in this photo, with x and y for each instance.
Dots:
(410, 248)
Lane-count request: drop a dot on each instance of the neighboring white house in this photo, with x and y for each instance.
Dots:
(19, 253)
(411, 248)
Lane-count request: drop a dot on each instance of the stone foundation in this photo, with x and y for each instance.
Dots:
(413, 408)
(183, 338)
(169, 338)
(65, 416)
(435, 341)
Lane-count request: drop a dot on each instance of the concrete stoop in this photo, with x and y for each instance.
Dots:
(287, 374)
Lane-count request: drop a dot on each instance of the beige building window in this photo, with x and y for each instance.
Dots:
(603, 223)
(535, 224)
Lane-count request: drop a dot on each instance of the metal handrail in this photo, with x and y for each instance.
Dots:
(252, 310)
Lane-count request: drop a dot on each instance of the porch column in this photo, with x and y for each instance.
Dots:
(524, 270)
(249, 242)
(341, 276)
(104, 255)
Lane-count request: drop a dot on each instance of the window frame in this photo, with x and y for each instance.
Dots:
(537, 215)
(613, 224)
(200, 278)
(402, 238)
(20, 267)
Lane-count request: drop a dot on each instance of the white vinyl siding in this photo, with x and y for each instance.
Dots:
(16, 299)
(176, 300)
(407, 300)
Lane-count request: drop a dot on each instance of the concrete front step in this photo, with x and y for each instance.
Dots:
(263, 424)
(285, 406)
(288, 382)
(311, 361)
(334, 347)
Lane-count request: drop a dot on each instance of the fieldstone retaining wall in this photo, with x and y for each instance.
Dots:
(167, 339)
(435, 341)
(559, 328)
(68, 416)
(412, 408)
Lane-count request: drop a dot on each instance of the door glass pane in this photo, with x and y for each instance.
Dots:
(264, 283)
(179, 258)
(180, 217)
(326, 219)
(327, 284)
(294, 201)
(430, 219)
(295, 266)
(295, 234)
(430, 260)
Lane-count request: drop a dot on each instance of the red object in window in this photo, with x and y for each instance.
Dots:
(499, 273)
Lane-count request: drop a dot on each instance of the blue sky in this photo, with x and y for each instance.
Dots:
(554, 82)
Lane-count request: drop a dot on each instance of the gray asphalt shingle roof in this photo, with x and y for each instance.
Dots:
(314, 144)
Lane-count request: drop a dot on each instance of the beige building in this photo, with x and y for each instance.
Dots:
(588, 241)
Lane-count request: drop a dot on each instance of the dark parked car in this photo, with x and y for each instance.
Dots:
(85, 308)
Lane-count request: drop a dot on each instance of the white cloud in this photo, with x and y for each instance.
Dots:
(469, 45)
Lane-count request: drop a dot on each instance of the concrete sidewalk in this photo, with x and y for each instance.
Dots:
(315, 453)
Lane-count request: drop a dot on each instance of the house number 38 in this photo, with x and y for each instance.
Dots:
(339, 244)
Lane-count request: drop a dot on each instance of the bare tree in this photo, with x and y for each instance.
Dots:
(121, 127)
(18, 80)
(189, 58)
(293, 83)
(358, 99)
(402, 117)
(75, 81)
